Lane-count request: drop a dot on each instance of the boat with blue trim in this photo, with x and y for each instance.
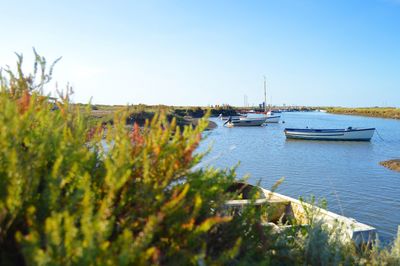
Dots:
(348, 134)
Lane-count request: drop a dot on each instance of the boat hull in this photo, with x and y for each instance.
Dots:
(273, 119)
(286, 208)
(349, 134)
(351, 229)
(247, 122)
(252, 121)
(235, 117)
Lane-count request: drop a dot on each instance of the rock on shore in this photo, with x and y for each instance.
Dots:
(392, 164)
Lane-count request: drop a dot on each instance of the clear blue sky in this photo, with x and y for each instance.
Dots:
(339, 52)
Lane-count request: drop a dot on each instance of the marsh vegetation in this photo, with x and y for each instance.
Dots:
(384, 112)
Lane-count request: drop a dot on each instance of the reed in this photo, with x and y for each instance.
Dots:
(384, 112)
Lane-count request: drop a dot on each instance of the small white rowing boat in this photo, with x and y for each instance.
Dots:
(354, 134)
(286, 212)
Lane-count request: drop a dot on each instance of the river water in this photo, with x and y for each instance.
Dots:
(346, 174)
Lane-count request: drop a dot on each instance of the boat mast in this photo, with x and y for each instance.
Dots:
(265, 94)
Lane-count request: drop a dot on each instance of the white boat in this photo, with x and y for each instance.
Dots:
(232, 117)
(285, 212)
(270, 116)
(245, 122)
(348, 134)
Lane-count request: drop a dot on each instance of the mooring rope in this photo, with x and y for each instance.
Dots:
(337, 196)
(379, 135)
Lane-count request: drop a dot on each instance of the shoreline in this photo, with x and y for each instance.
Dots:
(106, 117)
(211, 124)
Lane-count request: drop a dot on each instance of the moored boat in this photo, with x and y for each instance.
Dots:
(269, 118)
(283, 212)
(232, 117)
(245, 122)
(272, 118)
(348, 134)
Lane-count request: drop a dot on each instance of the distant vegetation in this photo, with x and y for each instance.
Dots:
(140, 113)
(384, 112)
(75, 192)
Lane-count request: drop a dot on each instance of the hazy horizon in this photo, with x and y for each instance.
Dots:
(313, 53)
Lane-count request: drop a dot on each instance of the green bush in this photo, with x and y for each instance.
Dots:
(68, 196)
(76, 194)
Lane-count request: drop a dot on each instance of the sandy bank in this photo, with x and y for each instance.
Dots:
(392, 164)
(195, 121)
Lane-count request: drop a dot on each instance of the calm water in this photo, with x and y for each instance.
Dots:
(347, 174)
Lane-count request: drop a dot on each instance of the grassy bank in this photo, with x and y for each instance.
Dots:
(184, 116)
(387, 112)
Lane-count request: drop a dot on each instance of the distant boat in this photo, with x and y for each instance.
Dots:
(232, 117)
(286, 213)
(245, 122)
(348, 134)
(270, 116)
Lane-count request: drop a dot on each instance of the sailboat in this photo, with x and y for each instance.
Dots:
(254, 121)
(245, 122)
(270, 116)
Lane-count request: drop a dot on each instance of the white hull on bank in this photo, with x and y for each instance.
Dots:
(286, 209)
(354, 134)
